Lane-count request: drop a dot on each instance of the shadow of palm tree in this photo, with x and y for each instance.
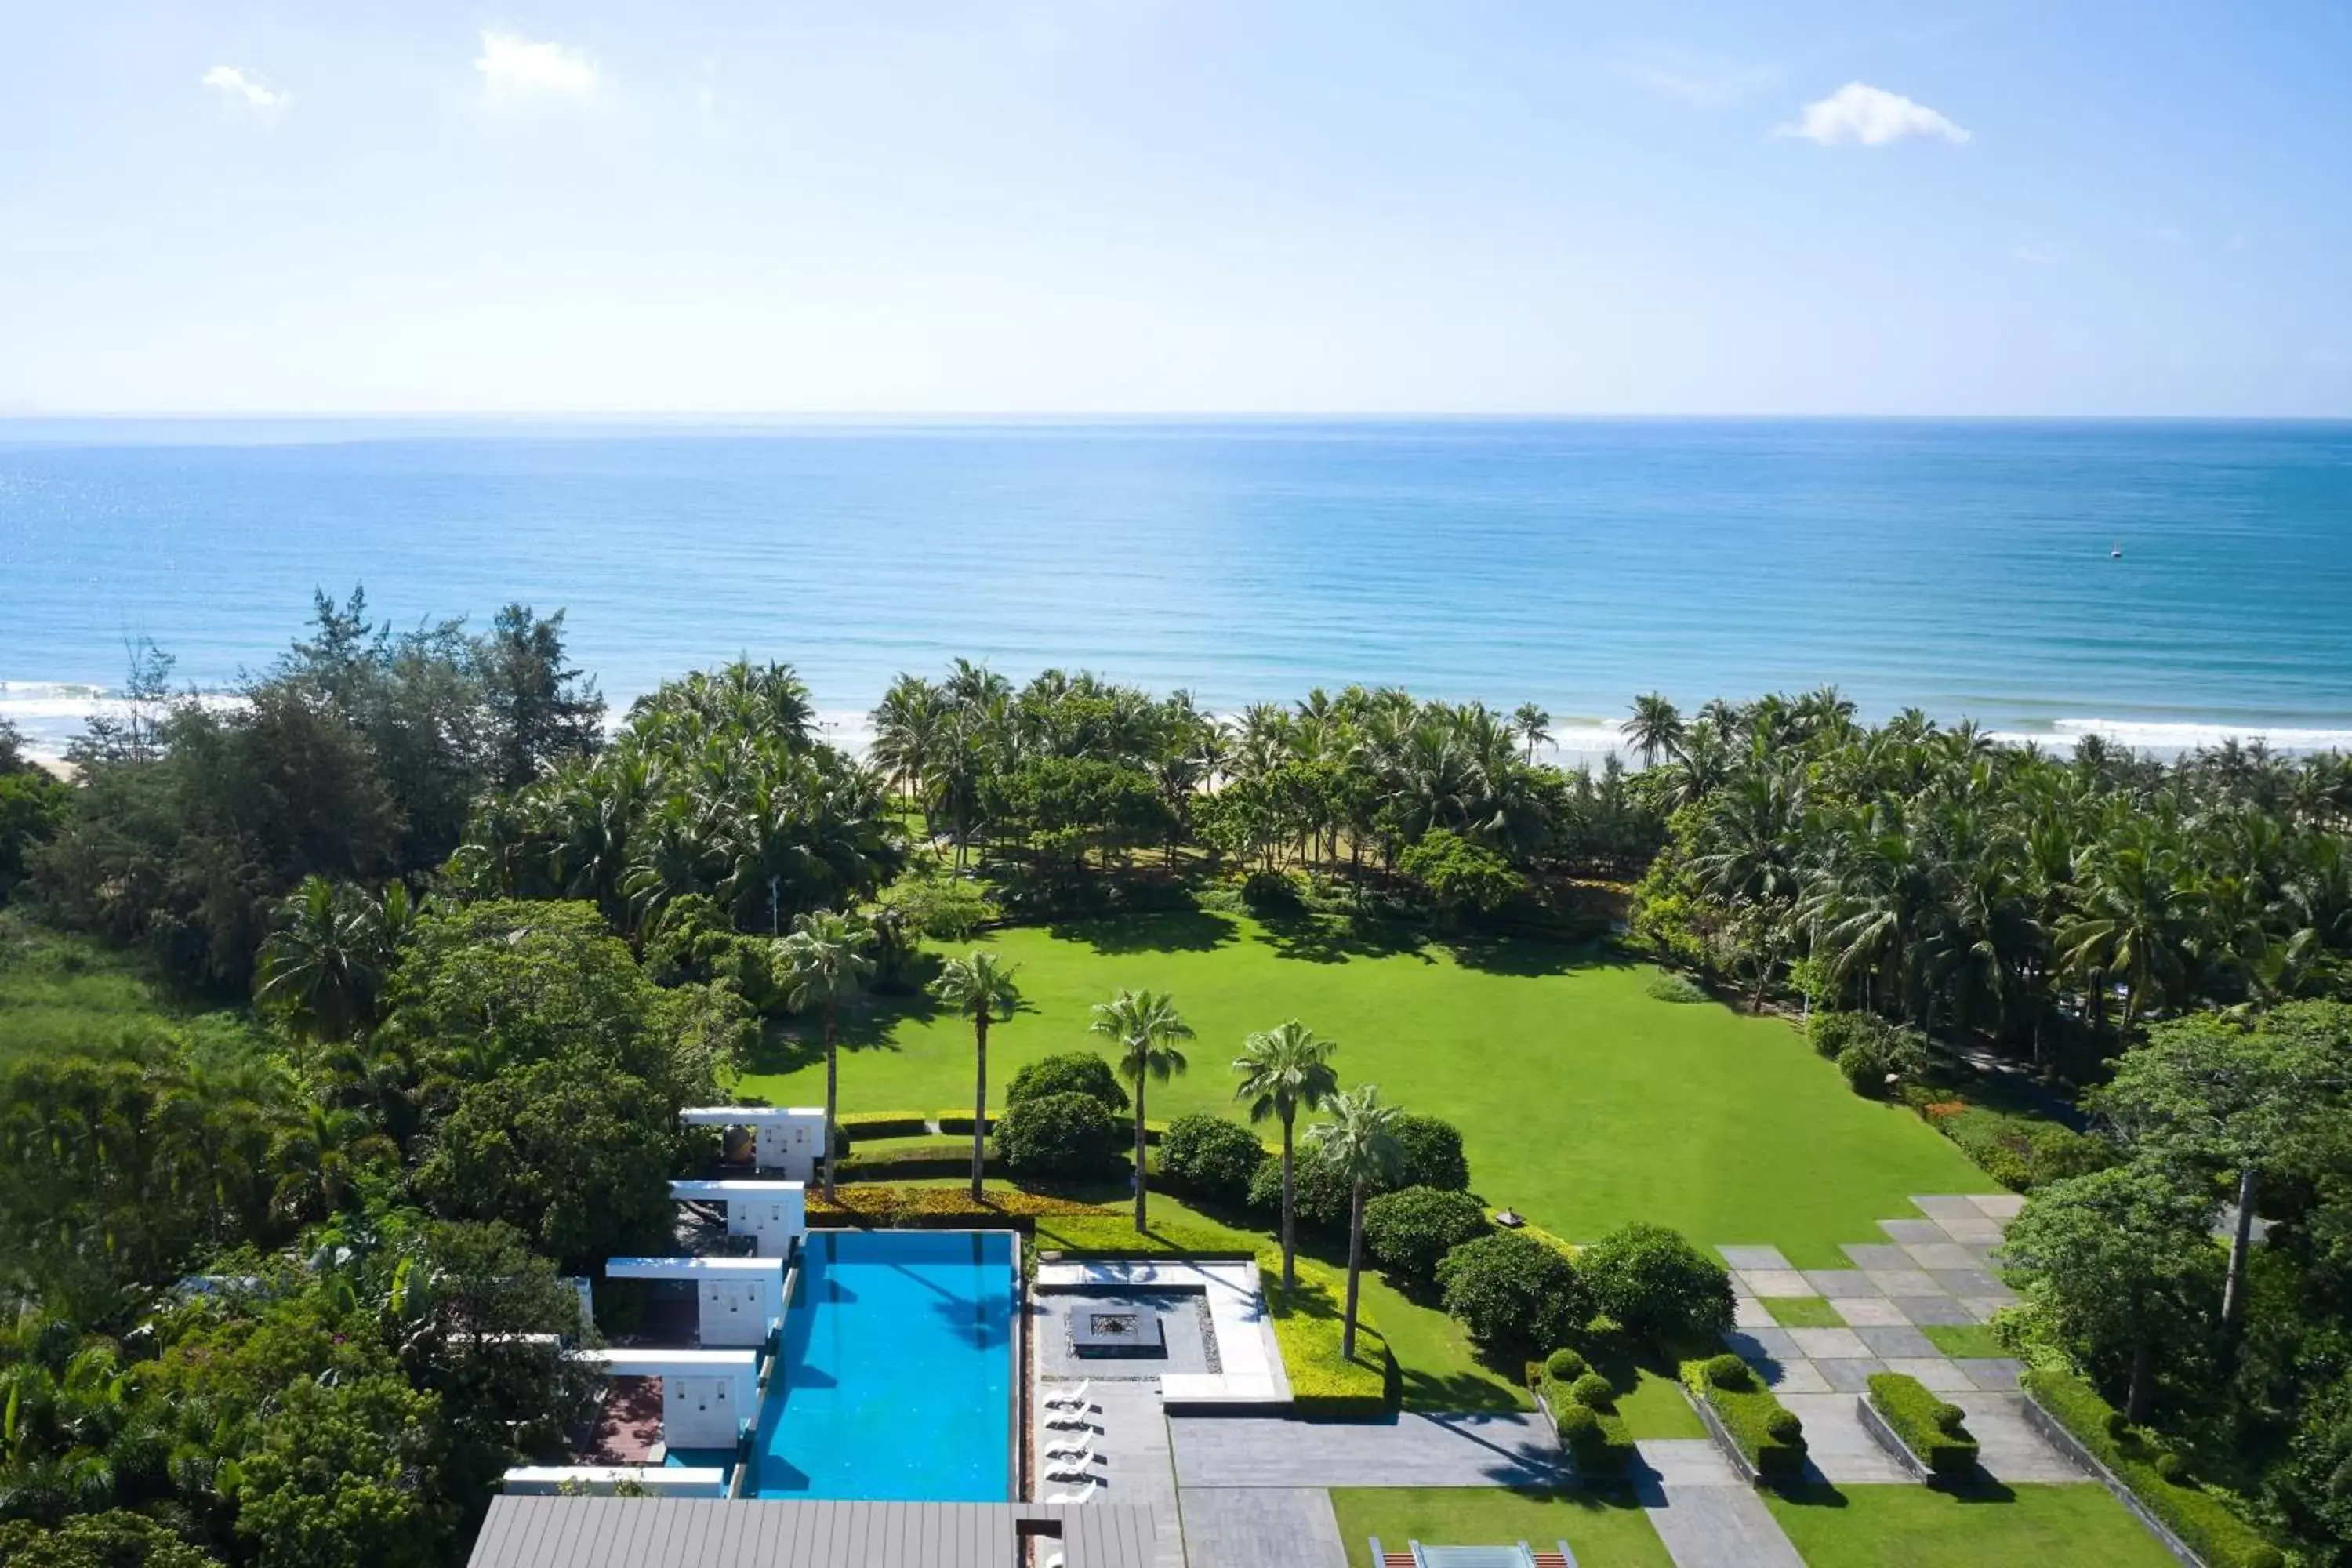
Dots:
(1185, 930)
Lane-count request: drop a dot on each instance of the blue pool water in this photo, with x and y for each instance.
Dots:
(897, 1380)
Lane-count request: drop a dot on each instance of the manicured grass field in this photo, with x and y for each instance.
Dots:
(1585, 1102)
(1437, 1365)
(1803, 1312)
(1964, 1340)
(1868, 1527)
(1603, 1531)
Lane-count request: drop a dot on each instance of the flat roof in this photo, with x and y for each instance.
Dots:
(710, 1533)
(686, 1188)
(686, 1268)
(746, 1115)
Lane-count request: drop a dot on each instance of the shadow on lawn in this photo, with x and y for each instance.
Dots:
(1336, 939)
(1188, 930)
(869, 1023)
(1492, 954)
(1979, 1489)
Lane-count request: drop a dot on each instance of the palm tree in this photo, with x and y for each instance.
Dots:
(321, 1157)
(1531, 724)
(826, 960)
(1358, 1140)
(324, 963)
(1285, 1071)
(1657, 726)
(1145, 1026)
(980, 988)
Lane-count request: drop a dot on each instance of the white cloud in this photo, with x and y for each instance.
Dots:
(1706, 80)
(516, 67)
(2041, 253)
(1871, 116)
(244, 93)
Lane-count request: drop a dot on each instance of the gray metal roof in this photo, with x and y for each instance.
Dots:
(708, 1533)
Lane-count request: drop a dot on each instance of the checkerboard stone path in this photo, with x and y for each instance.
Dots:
(1934, 1271)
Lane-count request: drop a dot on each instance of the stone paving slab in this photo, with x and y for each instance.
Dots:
(1998, 1205)
(1913, 1232)
(1994, 1375)
(1979, 1231)
(1703, 1513)
(1967, 1282)
(1942, 1254)
(1870, 1311)
(1868, 1256)
(1774, 1282)
(1766, 1257)
(1838, 1448)
(1413, 1450)
(2009, 1450)
(1129, 1435)
(1905, 1281)
(1941, 1206)
(1747, 1313)
(1982, 1308)
(1924, 1311)
(1935, 1372)
(1836, 1283)
(1795, 1376)
(1851, 1376)
(1249, 1527)
(1829, 1344)
(1761, 1345)
(1903, 1341)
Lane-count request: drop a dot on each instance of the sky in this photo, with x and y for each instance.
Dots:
(1177, 205)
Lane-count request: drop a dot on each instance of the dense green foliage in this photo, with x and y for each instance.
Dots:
(1064, 1136)
(1211, 1156)
(1410, 1231)
(1766, 1431)
(1512, 1293)
(1933, 1429)
(1072, 1072)
(1658, 1285)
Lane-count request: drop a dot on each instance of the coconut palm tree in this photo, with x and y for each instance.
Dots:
(1532, 725)
(980, 988)
(325, 963)
(1146, 1026)
(1655, 727)
(1285, 1071)
(1357, 1139)
(321, 1157)
(825, 961)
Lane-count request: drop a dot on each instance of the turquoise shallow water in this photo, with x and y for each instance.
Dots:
(898, 1371)
(1962, 566)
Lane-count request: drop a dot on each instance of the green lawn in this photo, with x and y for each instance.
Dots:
(1803, 1312)
(1436, 1364)
(1651, 1401)
(1585, 1102)
(1603, 1532)
(1964, 1340)
(1867, 1526)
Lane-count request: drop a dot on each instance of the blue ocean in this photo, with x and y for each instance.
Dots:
(2165, 582)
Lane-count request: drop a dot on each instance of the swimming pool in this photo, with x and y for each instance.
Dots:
(897, 1374)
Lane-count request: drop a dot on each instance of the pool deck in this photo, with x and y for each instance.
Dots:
(1251, 1372)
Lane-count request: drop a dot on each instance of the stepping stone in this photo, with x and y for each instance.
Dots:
(2003, 1206)
(1774, 1282)
(1851, 1376)
(1958, 1207)
(1747, 1313)
(1829, 1344)
(1935, 1372)
(1914, 1232)
(1994, 1375)
(1970, 1281)
(1980, 1232)
(1941, 1310)
(1867, 1257)
(1870, 1312)
(1687, 1462)
(1838, 1282)
(1797, 1375)
(1933, 1255)
(1746, 1257)
(1905, 1282)
(1761, 1345)
(1903, 1341)
(1982, 1308)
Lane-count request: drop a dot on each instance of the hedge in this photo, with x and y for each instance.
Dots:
(2198, 1517)
(2020, 1152)
(857, 1124)
(1306, 1322)
(1927, 1425)
(1765, 1430)
(871, 1205)
(959, 1121)
(1584, 1416)
(916, 1160)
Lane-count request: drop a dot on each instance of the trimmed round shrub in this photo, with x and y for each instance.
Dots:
(1410, 1232)
(1576, 1423)
(2170, 1467)
(1212, 1156)
(1321, 1197)
(1656, 1283)
(1593, 1390)
(1073, 1072)
(1783, 1426)
(1267, 892)
(1565, 1366)
(1604, 1337)
(1432, 1153)
(1512, 1292)
(1678, 988)
(1057, 1135)
(1728, 1371)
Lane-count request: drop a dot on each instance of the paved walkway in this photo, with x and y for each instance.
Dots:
(1257, 1527)
(1413, 1450)
(1707, 1516)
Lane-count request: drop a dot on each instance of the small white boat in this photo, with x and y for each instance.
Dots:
(2115, 553)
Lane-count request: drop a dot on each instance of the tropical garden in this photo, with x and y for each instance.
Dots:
(339, 1024)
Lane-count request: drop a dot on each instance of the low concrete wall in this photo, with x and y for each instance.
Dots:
(1885, 1437)
(1713, 1424)
(2066, 1442)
